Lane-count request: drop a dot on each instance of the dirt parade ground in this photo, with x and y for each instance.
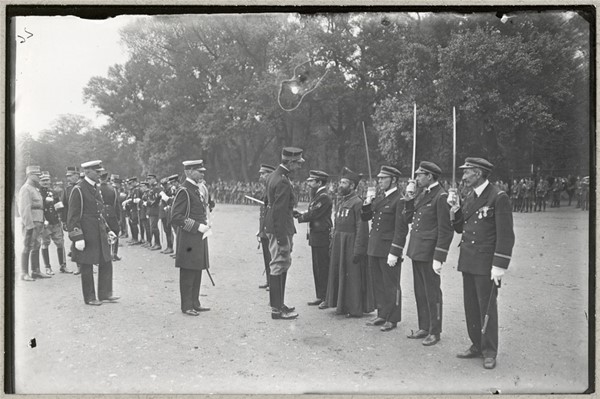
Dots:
(144, 344)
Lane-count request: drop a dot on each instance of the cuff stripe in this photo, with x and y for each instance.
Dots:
(502, 256)
(441, 249)
(397, 246)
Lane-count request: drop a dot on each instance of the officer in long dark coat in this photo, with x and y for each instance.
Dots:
(430, 238)
(319, 232)
(90, 235)
(72, 180)
(280, 229)
(264, 171)
(188, 216)
(112, 211)
(486, 223)
(131, 207)
(385, 259)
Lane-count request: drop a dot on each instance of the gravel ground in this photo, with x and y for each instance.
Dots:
(145, 345)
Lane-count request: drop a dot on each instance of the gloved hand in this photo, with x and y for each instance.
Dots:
(145, 203)
(203, 228)
(112, 236)
(411, 188)
(58, 205)
(164, 196)
(453, 198)
(358, 258)
(437, 267)
(136, 201)
(296, 214)
(392, 260)
(49, 199)
(497, 273)
(80, 245)
(46, 223)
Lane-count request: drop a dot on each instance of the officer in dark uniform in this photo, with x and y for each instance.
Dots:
(486, 223)
(112, 211)
(173, 187)
(188, 215)
(72, 179)
(117, 183)
(430, 239)
(52, 230)
(264, 172)
(131, 208)
(145, 233)
(383, 256)
(164, 211)
(319, 218)
(280, 229)
(152, 205)
(91, 236)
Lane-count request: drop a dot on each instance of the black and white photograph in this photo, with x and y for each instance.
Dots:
(357, 200)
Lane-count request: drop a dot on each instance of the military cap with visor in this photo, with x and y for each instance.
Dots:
(292, 154)
(479, 163)
(388, 171)
(197, 164)
(426, 167)
(266, 168)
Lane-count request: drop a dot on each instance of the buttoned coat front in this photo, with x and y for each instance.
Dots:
(382, 212)
(319, 218)
(279, 219)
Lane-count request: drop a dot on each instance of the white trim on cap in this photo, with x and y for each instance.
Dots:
(89, 164)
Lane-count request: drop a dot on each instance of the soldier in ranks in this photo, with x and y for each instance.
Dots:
(430, 238)
(30, 205)
(91, 236)
(486, 223)
(145, 233)
(383, 255)
(280, 229)
(540, 195)
(112, 211)
(189, 216)
(319, 218)
(264, 172)
(52, 230)
(117, 183)
(164, 211)
(173, 187)
(152, 206)
(130, 206)
(350, 286)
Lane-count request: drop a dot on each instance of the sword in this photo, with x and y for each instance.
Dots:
(487, 312)
(254, 199)
(210, 277)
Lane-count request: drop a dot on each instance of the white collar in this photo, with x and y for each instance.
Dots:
(93, 183)
(390, 191)
(321, 189)
(284, 167)
(432, 185)
(479, 190)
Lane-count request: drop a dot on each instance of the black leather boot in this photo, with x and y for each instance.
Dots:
(285, 307)
(35, 265)
(61, 260)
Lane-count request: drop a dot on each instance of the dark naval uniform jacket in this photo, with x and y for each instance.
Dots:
(112, 208)
(187, 214)
(279, 219)
(486, 224)
(319, 218)
(383, 214)
(431, 233)
(85, 221)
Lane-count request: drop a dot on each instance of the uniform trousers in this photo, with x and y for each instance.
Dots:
(54, 233)
(133, 226)
(386, 285)
(428, 294)
(105, 278)
(31, 247)
(281, 255)
(154, 230)
(145, 230)
(264, 243)
(478, 294)
(168, 231)
(189, 288)
(320, 265)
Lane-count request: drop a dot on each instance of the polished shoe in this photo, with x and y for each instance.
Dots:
(283, 315)
(191, 312)
(431, 339)
(323, 305)
(489, 363)
(39, 275)
(201, 309)
(470, 353)
(27, 277)
(116, 258)
(376, 321)
(353, 316)
(135, 243)
(78, 271)
(288, 309)
(266, 285)
(168, 251)
(419, 334)
(49, 271)
(111, 299)
(64, 269)
(94, 303)
(388, 326)
(155, 247)
(315, 302)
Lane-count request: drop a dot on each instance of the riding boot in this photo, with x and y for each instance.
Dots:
(46, 257)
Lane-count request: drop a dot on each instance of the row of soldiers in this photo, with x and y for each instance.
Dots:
(357, 270)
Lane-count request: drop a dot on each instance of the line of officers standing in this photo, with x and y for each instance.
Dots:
(357, 271)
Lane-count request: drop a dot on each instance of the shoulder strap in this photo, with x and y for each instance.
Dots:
(182, 188)
(80, 197)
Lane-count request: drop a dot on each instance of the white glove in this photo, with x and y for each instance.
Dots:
(136, 201)
(164, 196)
(145, 203)
(437, 267)
(453, 198)
(46, 223)
(80, 245)
(497, 273)
(392, 260)
(59, 205)
(203, 228)
(112, 236)
(49, 199)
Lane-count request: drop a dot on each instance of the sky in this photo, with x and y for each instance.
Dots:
(56, 57)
